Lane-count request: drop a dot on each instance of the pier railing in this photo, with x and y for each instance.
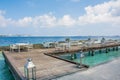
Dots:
(99, 46)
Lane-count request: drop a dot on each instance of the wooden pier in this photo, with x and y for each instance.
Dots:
(47, 67)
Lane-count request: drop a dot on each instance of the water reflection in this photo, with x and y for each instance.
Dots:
(5, 74)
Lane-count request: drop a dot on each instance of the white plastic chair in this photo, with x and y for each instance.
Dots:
(13, 47)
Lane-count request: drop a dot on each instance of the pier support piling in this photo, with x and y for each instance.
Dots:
(100, 51)
(117, 48)
(113, 48)
(92, 53)
(106, 50)
(89, 52)
(72, 56)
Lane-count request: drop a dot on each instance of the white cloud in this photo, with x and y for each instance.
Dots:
(3, 21)
(26, 21)
(66, 20)
(2, 12)
(46, 20)
(107, 12)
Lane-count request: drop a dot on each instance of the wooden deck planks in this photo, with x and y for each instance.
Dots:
(47, 67)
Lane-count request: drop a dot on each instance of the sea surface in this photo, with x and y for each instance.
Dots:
(6, 41)
(5, 74)
(98, 58)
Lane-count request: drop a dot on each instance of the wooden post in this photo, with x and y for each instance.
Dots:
(89, 53)
(106, 50)
(92, 53)
(113, 49)
(75, 56)
(72, 56)
(117, 48)
(100, 51)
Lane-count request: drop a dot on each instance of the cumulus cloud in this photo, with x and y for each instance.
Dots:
(3, 21)
(107, 12)
(66, 20)
(46, 20)
(26, 21)
(2, 12)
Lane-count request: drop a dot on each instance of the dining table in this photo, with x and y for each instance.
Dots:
(19, 45)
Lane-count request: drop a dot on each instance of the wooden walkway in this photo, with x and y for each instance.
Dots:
(47, 67)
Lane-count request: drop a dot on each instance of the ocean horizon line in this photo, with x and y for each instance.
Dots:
(61, 36)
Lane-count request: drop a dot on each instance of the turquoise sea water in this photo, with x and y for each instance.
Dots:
(98, 58)
(5, 74)
(5, 41)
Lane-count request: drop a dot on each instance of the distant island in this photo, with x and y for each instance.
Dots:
(16, 35)
(26, 35)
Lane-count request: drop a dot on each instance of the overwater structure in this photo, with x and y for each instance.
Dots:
(51, 67)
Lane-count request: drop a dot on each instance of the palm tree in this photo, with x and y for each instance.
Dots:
(89, 39)
(67, 39)
(103, 40)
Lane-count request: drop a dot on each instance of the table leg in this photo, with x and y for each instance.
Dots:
(28, 49)
(19, 49)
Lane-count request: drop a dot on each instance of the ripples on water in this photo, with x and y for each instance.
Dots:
(97, 59)
(5, 74)
(5, 41)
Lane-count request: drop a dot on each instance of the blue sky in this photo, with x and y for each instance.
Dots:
(60, 17)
